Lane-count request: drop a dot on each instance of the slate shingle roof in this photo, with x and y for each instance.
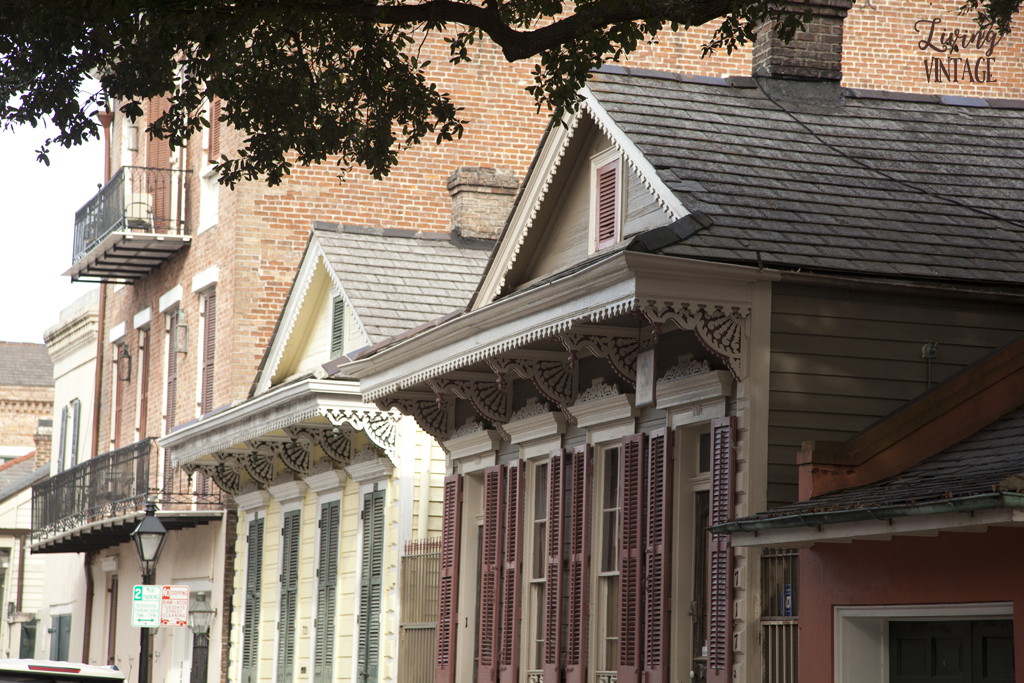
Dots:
(25, 365)
(973, 466)
(398, 279)
(903, 188)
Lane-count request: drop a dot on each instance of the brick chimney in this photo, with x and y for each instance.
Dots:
(481, 200)
(44, 442)
(813, 54)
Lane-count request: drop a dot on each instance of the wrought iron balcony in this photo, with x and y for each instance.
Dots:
(97, 503)
(135, 222)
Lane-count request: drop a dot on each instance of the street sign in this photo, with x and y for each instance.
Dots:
(155, 606)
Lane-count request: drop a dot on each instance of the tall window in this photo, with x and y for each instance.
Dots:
(371, 583)
(253, 596)
(60, 637)
(291, 537)
(538, 565)
(607, 537)
(326, 592)
(209, 333)
(112, 622)
(172, 391)
(143, 412)
(76, 425)
(62, 444)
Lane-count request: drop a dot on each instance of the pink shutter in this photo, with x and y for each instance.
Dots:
(723, 476)
(607, 209)
(579, 548)
(447, 603)
(631, 532)
(658, 556)
(508, 654)
(490, 575)
(553, 576)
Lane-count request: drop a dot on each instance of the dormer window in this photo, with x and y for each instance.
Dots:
(606, 209)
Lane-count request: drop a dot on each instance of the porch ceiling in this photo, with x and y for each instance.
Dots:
(126, 256)
(114, 531)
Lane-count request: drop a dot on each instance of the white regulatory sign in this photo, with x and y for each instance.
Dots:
(154, 606)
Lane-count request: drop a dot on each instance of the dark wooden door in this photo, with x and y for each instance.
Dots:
(951, 652)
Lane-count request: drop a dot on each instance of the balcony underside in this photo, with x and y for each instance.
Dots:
(114, 531)
(126, 256)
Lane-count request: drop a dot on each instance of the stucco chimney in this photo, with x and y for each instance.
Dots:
(481, 200)
(813, 54)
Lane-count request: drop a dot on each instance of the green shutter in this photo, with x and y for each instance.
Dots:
(338, 328)
(253, 595)
(370, 587)
(327, 592)
(291, 533)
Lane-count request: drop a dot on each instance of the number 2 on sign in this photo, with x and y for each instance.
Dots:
(138, 593)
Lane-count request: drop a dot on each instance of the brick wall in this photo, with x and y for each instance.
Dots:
(20, 411)
(261, 231)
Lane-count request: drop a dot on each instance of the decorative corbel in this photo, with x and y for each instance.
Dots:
(259, 463)
(437, 420)
(720, 328)
(555, 378)
(380, 427)
(491, 401)
(611, 344)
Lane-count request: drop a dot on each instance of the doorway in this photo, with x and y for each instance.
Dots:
(978, 651)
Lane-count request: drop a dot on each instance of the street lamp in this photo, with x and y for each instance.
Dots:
(149, 539)
(201, 614)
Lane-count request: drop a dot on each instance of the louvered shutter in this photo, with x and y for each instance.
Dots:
(553, 575)
(172, 394)
(61, 451)
(209, 338)
(76, 426)
(631, 537)
(448, 583)
(158, 160)
(213, 149)
(118, 400)
(490, 575)
(508, 655)
(143, 383)
(327, 592)
(253, 596)
(723, 481)
(338, 328)
(658, 556)
(579, 548)
(370, 586)
(607, 209)
(291, 533)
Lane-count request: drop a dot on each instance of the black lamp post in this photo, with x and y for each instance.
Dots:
(149, 539)
(201, 614)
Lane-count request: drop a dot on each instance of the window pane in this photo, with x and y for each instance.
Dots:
(540, 492)
(704, 456)
(612, 624)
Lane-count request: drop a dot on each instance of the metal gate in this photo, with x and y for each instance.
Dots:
(779, 609)
(421, 567)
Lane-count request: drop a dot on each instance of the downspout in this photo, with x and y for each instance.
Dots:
(21, 570)
(106, 118)
(87, 626)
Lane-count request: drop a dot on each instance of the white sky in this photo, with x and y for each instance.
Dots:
(37, 225)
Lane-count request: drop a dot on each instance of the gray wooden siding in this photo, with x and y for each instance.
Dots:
(843, 359)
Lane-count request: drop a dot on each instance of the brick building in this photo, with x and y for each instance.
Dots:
(26, 396)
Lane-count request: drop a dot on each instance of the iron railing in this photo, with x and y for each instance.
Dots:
(112, 485)
(137, 199)
(779, 615)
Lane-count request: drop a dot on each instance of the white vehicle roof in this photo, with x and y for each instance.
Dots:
(45, 669)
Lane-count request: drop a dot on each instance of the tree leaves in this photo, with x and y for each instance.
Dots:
(308, 81)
